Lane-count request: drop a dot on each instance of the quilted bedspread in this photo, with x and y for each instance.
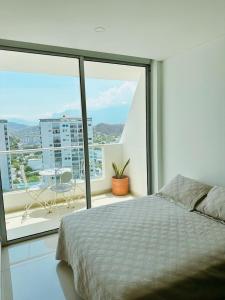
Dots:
(147, 248)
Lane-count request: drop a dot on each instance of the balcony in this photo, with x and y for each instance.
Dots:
(116, 95)
(38, 218)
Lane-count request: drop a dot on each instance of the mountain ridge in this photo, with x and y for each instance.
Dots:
(19, 130)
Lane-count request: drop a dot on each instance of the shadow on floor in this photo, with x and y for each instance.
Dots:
(65, 275)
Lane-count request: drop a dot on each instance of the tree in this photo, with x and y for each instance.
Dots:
(28, 169)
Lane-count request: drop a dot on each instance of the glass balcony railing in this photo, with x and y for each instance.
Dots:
(30, 176)
(25, 168)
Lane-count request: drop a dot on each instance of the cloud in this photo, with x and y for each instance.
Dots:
(111, 97)
(115, 96)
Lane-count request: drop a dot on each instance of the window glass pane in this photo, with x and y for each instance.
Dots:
(116, 102)
(41, 141)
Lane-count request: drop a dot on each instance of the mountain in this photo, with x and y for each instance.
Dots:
(28, 131)
(22, 121)
(14, 127)
(109, 129)
(21, 130)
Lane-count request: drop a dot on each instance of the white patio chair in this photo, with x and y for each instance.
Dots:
(34, 192)
(64, 187)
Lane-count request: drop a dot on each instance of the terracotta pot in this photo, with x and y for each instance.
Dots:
(120, 187)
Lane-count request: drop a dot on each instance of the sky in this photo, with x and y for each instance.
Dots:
(27, 97)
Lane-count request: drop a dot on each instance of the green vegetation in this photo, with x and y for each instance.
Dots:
(105, 139)
(18, 160)
(16, 181)
(28, 169)
(119, 170)
(15, 164)
(14, 142)
(107, 133)
(33, 178)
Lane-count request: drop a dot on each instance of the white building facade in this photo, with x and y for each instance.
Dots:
(5, 164)
(31, 140)
(67, 135)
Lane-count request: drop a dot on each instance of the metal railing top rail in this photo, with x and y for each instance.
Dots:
(34, 150)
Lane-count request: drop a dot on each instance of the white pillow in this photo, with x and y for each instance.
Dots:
(214, 204)
(185, 191)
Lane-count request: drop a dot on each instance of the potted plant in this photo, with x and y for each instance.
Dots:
(120, 182)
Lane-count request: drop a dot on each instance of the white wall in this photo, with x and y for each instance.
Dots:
(134, 140)
(193, 114)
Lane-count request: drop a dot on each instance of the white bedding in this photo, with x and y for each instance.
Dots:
(148, 248)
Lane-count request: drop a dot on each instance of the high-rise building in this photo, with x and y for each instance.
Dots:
(67, 134)
(5, 164)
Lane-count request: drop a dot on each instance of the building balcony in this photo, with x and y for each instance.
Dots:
(38, 218)
(111, 105)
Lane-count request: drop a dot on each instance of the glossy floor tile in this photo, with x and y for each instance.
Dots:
(21, 252)
(31, 272)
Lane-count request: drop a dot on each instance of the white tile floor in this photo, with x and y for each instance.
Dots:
(30, 272)
(40, 220)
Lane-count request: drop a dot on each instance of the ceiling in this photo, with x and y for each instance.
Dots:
(154, 29)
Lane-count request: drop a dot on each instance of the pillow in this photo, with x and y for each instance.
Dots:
(185, 191)
(214, 204)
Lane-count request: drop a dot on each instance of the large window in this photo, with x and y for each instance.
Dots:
(116, 99)
(63, 122)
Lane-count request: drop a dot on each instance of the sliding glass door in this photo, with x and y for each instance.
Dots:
(63, 122)
(41, 144)
(116, 109)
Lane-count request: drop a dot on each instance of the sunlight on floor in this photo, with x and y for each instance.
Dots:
(39, 219)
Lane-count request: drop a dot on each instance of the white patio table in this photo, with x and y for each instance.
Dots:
(49, 178)
(54, 171)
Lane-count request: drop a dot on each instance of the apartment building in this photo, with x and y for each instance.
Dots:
(67, 135)
(31, 140)
(5, 164)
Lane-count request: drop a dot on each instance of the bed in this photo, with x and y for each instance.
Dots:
(146, 248)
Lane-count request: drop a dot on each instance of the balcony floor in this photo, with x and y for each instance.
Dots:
(39, 220)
